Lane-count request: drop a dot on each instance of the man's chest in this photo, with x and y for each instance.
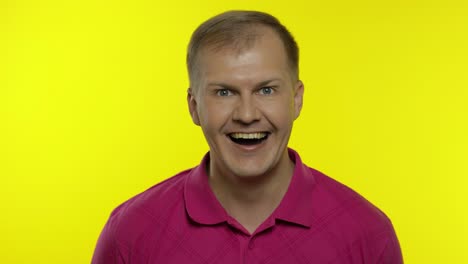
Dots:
(227, 246)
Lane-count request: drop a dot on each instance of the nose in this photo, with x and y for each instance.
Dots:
(246, 111)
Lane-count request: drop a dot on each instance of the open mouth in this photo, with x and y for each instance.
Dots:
(248, 138)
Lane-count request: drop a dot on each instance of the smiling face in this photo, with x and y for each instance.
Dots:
(246, 102)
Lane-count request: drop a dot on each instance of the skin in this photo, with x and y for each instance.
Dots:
(246, 92)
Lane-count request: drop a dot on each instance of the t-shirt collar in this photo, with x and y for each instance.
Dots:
(200, 202)
(296, 206)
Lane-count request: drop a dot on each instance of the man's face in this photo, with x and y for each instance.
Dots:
(246, 103)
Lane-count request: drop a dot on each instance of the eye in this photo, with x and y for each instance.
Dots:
(266, 90)
(223, 92)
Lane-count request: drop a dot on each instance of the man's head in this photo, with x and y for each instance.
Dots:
(245, 95)
(237, 30)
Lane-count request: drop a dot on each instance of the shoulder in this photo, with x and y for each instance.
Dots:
(140, 219)
(156, 197)
(149, 209)
(155, 200)
(336, 197)
(353, 222)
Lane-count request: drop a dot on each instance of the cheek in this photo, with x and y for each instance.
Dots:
(280, 112)
(214, 113)
(280, 119)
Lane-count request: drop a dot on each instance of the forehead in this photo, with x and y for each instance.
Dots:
(264, 57)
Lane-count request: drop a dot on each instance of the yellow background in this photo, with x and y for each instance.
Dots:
(93, 111)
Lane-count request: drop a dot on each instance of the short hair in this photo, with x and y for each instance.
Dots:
(238, 30)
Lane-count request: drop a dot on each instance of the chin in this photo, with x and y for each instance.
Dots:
(248, 174)
(249, 171)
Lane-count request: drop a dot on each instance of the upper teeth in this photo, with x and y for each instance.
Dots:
(248, 135)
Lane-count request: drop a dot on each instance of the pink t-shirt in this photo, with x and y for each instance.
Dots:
(180, 221)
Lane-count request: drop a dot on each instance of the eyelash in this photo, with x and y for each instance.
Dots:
(218, 92)
(270, 88)
(229, 92)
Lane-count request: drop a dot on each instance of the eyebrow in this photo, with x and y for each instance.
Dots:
(260, 84)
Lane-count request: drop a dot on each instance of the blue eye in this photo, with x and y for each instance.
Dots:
(266, 90)
(223, 92)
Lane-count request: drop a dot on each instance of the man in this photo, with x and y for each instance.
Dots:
(251, 200)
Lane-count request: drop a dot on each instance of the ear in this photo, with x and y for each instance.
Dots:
(192, 104)
(298, 98)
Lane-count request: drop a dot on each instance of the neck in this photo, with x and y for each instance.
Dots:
(251, 200)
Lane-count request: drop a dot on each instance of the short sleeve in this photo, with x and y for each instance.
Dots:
(391, 253)
(107, 251)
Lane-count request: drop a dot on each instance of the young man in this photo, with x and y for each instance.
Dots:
(251, 200)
